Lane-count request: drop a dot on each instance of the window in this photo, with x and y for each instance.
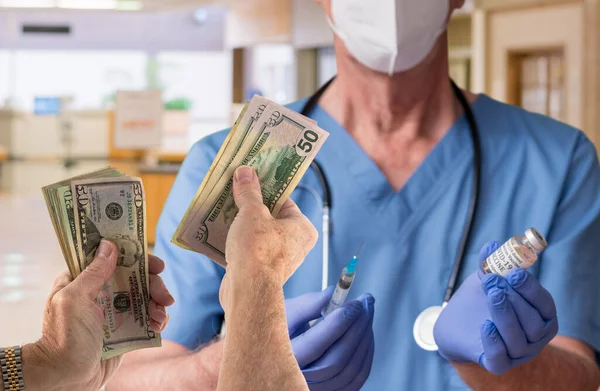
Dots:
(327, 64)
(5, 81)
(204, 80)
(460, 71)
(89, 77)
(536, 82)
(273, 72)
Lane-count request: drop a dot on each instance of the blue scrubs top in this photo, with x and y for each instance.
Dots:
(536, 172)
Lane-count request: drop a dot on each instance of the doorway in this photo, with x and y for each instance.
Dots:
(536, 82)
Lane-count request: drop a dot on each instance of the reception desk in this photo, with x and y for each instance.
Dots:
(44, 140)
(76, 134)
(158, 182)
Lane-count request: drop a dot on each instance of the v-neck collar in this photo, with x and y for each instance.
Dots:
(440, 162)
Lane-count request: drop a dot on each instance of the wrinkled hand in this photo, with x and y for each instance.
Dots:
(259, 243)
(497, 322)
(336, 353)
(72, 333)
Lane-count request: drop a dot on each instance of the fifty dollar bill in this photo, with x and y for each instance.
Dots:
(107, 205)
(278, 143)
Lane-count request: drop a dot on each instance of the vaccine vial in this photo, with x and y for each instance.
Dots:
(519, 252)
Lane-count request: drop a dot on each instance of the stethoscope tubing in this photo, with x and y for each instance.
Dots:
(473, 201)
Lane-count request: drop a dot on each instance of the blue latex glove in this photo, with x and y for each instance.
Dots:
(336, 353)
(496, 322)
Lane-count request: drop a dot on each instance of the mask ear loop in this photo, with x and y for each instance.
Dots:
(335, 30)
(392, 69)
(394, 58)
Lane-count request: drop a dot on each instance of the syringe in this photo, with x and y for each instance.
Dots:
(343, 286)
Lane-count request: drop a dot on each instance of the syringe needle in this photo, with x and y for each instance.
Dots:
(343, 286)
(359, 248)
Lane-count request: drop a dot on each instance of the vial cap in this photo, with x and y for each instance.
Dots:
(536, 239)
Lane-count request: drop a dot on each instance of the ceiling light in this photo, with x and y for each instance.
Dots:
(87, 4)
(129, 5)
(200, 15)
(28, 3)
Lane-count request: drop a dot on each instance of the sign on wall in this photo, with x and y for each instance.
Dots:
(138, 119)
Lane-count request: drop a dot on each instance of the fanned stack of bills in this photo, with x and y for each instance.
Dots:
(105, 204)
(278, 143)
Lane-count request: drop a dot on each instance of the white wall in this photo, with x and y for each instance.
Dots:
(111, 30)
(309, 25)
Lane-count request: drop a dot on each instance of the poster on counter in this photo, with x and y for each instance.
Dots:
(138, 119)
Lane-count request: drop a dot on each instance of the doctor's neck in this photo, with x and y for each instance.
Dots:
(418, 103)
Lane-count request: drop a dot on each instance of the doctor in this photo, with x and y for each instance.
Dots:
(400, 162)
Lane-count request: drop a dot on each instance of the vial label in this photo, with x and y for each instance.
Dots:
(504, 260)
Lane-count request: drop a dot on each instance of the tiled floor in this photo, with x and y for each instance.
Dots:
(30, 258)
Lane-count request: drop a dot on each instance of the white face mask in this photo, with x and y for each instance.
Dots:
(389, 36)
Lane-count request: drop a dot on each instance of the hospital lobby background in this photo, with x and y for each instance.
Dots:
(206, 58)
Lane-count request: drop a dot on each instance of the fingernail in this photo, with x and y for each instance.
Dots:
(501, 284)
(352, 311)
(497, 298)
(104, 249)
(518, 277)
(490, 281)
(488, 327)
(494, 246)
(490, 330)
(160, 325)
(490, 247)
(162, 314)
(244, 174)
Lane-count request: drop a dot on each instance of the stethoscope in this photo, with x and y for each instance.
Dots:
(425, 321)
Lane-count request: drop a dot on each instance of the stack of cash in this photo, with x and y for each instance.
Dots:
(278, 143)
(105, 204)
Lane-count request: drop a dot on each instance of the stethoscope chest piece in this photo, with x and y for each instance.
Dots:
(423, 327)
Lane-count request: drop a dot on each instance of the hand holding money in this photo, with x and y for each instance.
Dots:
(105, 205)
(278, 143)
(260, 245)
(69, 351)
